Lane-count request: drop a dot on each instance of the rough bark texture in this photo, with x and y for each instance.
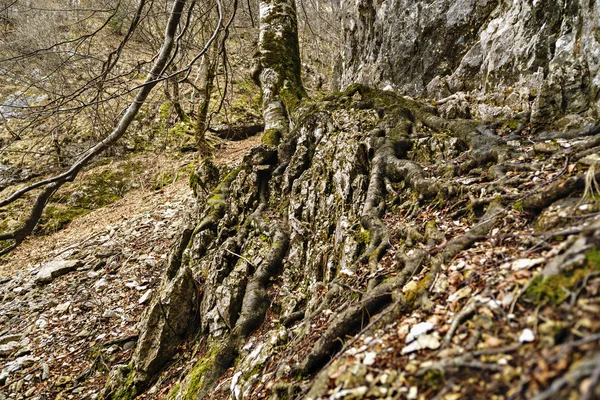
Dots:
(337, 234)
(278, 69)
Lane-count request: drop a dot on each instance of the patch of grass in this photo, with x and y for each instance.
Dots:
(56, 217)
(593, 258)
(518, 206)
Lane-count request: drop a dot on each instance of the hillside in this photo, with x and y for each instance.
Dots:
(429, 231)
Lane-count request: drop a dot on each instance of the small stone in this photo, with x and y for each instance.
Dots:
(56, 268)
(101, 284)
(7, 349)
(413, 393)
(356, 393)
(526, 336)
(62, 381)
(418, 330)
(129, 345)
(523, 263)
(83, 333)
(441, 284)
(93, 274)
(62, 308)
(20, 290)
(9, 338)
(41, 323)
(145, 297)
(411, 348)
(460, 294)
(369, 358)
(45, 371)
(429, 342)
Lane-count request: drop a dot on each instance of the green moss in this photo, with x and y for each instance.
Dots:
(280, 51)
(182, 130)
(593, 258)
(412, 295)
(555, 289)
(56, 217)
(128, 391)
(196, 375)
(165, 178)
(164, 111)
(271, 137)
(174, 391)
(363, 236)
(511, 124)
(518, 206)
(434, 379)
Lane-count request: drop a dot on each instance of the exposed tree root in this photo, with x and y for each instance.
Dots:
(289, 221)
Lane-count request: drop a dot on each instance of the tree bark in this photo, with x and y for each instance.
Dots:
(279, 66)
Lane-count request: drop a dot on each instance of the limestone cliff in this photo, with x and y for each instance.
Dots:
(540, 56)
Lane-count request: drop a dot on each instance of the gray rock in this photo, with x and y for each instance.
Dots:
(56, 268)
(129, 345)
(45, 371)
(101, 284)
(547, 52)
(7, 349)
(9, 338)
(159, 339)
(14, 366)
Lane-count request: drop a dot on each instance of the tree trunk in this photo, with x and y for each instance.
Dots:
(172, 94)
(207, 73)
(279, 66)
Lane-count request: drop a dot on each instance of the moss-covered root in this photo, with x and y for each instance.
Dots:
(217, 202)
(560, 189)
(358, 315)
(479, 231)
(386, 165)
(255, 302)
(206, 372)
(200, 380)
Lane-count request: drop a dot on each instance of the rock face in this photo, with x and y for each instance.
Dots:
(540, 56)
(167, 320)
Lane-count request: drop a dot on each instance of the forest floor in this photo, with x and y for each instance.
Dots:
(487, 328)
(60, 336)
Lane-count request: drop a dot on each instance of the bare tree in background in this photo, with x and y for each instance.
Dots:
(95, 93)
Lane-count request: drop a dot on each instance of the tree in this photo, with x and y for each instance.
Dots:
(278, 68)
(94, 93)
